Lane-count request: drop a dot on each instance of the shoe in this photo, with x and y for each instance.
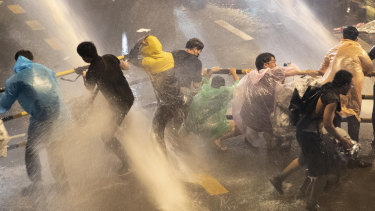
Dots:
(358, 163)
(277, 183)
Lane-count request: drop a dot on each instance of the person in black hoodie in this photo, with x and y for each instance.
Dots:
(105, 73)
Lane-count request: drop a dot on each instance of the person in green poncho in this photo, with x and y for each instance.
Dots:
(207, 112)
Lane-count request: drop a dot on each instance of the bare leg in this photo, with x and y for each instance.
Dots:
(230, 134)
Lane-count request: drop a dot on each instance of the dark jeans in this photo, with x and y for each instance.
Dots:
(39, 132)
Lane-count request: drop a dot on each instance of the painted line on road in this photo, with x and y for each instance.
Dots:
(210, 184)
(234, 30)
(1, 2)
(16, 9)
(35, 25)
(54, 43)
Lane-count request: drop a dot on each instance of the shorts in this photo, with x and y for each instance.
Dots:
(312, 153)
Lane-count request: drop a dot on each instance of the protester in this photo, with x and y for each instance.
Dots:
(188, 67)
(37, 91)
(105, 73)
(207, 112)
(188, 70)
(350, 56)
(309, 128)
(254, 97)
(159, 65)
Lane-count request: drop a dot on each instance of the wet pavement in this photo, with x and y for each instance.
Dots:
(242, 170)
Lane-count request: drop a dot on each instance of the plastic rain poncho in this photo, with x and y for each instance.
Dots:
(347, 56)
(282, 126)
(207, 112)
(34, 86)
(254, 97)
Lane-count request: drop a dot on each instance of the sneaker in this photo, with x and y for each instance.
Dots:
(277, 183)
(358, 163)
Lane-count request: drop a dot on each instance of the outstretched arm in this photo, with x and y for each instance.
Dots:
(233, 72)
(134, 52)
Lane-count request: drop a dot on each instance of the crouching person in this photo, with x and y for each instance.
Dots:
(207, 112)
(254, 99)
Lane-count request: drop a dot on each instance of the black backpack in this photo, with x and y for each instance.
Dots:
(300, 108)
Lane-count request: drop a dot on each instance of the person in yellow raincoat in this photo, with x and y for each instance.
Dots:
(348, 55)
(159, 65)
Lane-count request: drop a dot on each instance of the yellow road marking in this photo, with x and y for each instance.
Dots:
(210, 184)
(35, 25)
(233, 29)
(16, 9)
(54, 43)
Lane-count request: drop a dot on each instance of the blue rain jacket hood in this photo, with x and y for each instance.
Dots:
(21, 64)
(35, 87)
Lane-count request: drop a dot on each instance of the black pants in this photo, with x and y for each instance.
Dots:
(39, 132)
(163, 115)
(353, 126)
(111, 142)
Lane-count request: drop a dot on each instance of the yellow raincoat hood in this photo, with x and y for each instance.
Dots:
(155, 59)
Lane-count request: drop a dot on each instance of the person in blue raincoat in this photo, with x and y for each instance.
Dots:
(36, 89)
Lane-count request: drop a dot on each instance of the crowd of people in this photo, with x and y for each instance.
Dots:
(189, 99)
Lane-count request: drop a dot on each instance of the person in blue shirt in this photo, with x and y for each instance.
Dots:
(36, 89)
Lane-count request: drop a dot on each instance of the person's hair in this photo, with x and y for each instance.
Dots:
(350, 32)
(25, 53)
(262, 59)
(341, 78)
(194, 43)
(217, 82)
(87, 49)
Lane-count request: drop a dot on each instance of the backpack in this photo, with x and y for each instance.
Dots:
(300, 108)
